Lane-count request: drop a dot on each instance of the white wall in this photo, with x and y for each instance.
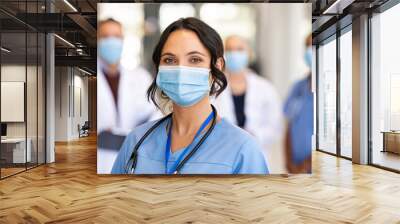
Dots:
(80, 100)
(16, 73)
(282, 30)
(71, 93)
(62, 82)
(12, 99)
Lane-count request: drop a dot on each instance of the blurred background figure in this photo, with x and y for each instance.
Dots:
(271, 38)
(121, 94)
(299, 113)
(250, 101)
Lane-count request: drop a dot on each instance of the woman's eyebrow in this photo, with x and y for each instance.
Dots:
(167, 53)
(195, 52)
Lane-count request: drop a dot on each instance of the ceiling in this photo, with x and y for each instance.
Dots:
(332, 15)
(76, 22)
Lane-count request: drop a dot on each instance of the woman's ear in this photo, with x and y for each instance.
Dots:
(220, 63)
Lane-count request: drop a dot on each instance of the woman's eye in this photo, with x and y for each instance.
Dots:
(195, 60)
(168, 60)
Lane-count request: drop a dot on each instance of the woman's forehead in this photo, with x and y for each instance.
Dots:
(183, 41)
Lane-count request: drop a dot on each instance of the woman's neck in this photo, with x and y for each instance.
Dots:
(187, 120)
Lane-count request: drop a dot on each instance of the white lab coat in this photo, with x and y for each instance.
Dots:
(263, 110)
(133, 109)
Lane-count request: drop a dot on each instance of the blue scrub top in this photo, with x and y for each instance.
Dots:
(300, 113)
(227, 150)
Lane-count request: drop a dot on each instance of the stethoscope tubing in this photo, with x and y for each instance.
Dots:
(134, 155)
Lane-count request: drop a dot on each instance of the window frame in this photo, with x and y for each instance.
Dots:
(334, 37)
(27, 29)
(379, 10)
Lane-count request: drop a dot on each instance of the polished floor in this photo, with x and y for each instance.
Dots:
(70, 191)
(387, 159)
(5, 172)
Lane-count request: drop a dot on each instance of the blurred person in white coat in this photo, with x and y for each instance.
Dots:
(250, 101)
(121, 95)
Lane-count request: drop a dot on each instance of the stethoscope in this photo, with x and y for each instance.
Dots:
(132, 162)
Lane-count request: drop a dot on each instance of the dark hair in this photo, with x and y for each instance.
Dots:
(208, 37)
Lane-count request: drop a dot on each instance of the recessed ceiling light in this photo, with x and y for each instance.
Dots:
(84, 71)
(5, 50)
(64, 40)
(70, 5)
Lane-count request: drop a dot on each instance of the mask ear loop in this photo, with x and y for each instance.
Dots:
(163, 95)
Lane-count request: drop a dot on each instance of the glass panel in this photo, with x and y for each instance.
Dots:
(41, 90)
(346, 94)
(22, 88)
(32, 87)
(386, 89)
(31, 98)
(327, 97)
(13, 87)
(41, 98)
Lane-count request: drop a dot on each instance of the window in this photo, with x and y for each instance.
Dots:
(334, 106)
(385, 89)
(327, 96)
(394, 102)
(346, 94)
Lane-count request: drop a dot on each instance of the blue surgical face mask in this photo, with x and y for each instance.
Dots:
(185, 86)
(308, 56)
(236, 61)
(110, 49)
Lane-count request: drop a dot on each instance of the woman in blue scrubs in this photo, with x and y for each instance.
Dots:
(192, 139)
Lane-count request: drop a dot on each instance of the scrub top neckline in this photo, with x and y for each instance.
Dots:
(177, 152)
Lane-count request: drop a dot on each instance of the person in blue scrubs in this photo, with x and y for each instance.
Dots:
(193, 138)
(299, 112)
